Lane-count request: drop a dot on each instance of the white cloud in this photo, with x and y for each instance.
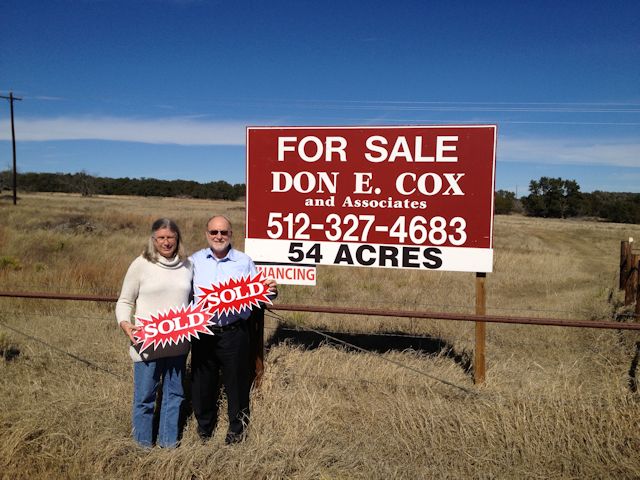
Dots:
(170, 130)
(622, 152)
(573, 151)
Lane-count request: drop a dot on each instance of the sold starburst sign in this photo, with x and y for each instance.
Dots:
(234, 295)
(183, 323)
(174, 326)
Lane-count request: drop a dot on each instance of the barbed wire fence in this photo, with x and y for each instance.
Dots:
(285, 324)
(330, 339)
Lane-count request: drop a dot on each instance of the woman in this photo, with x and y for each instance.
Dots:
(156, 281)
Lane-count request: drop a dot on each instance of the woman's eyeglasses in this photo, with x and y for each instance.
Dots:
(165, 239)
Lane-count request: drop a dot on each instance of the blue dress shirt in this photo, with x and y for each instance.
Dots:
(208, 269)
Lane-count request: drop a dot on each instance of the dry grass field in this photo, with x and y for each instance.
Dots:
(556, 402)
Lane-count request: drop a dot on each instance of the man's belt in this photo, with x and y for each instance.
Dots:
(224, 328)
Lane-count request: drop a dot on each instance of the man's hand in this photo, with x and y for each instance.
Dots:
(129, 329)
(272, 286)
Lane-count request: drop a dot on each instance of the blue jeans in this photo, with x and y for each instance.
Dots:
(146, 379)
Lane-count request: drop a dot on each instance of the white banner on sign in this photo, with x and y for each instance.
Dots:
(456, 259)
(289, 274)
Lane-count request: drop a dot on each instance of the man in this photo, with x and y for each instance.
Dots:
(227, 350)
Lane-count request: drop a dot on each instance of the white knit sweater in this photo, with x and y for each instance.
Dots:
(150, 288)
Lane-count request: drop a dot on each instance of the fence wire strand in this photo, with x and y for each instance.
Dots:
(88, 363)
(268, 313)
(92, 364)
(448, 307)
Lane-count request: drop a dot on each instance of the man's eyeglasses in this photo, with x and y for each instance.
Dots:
(213, 233)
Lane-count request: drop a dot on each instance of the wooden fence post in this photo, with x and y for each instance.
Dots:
(637, 309)
(256, 342)
(625, 262)
(631, 285)
(479, 354)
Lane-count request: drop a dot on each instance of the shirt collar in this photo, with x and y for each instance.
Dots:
(229, 257)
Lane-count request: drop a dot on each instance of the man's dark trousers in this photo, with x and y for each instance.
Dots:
(227, 353)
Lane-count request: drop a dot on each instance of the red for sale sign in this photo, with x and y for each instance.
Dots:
(417, 197)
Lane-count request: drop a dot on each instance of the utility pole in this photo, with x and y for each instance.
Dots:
(11, 98)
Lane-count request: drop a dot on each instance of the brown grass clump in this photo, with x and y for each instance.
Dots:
(556, 402)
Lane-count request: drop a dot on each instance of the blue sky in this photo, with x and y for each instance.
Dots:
(165, 88)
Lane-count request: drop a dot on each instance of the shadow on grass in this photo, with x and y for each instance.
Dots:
(377, 343)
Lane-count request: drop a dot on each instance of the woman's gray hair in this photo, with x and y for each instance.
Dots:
(150, 253)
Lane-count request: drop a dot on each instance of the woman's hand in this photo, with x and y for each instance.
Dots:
(129, 329)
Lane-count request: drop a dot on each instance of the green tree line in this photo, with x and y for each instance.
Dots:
(559, 198)
(548, 197)
(89, 185)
